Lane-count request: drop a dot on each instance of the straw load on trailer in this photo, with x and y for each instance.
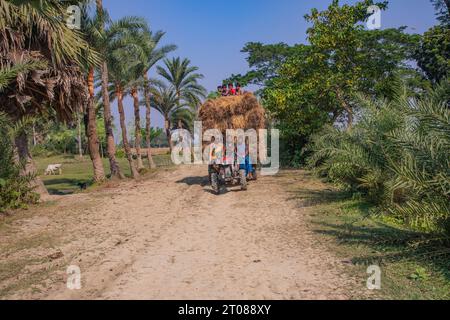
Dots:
(233, 112)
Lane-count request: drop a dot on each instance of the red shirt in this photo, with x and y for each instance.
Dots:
(232, 91)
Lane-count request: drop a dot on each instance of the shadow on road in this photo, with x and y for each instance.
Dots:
(195, 181)
(204, 183)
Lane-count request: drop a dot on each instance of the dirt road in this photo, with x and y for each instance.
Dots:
(169, 238)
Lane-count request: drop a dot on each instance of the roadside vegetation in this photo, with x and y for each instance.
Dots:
(59, 84)
(367, 111)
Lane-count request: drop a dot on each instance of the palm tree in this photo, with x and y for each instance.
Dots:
(165, 101)
(107, 115)
(90, 29)
(146, 41)
(184, 79)
(124, 56)
(34, 35)
(154, 55)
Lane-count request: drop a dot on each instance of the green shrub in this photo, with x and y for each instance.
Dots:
(15, 190)
(397, 156)
(120, 153)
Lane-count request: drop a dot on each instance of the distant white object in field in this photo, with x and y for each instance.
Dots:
(53, 169)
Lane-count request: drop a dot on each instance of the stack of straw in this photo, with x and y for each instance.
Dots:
(233, 112)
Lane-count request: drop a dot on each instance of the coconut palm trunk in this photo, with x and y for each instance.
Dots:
(148, 124)
(126, 144)
(93, 142)
(137, 124)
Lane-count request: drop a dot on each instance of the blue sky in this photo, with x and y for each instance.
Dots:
(212, 33)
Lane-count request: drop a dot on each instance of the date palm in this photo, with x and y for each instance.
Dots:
(154, 55)
(146, 42)
(91, 31)
(184, 79)
(124, 56)
(103, 20)
(33, 33)
(165, 100)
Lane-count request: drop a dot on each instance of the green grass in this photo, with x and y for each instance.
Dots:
(77, 171)
(415, 266)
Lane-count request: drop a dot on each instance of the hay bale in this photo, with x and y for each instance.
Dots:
(255, 119)
(238, 122)
(233, 112)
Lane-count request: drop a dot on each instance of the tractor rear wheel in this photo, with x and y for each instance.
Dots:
(215, 183)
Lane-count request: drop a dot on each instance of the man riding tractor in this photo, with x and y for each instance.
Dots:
(231, 168)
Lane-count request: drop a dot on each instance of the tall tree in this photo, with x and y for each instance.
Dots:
(433, 53)
(317, 83)
(184, 79)
(90, 29)
(33, 34)
(154, 54)
(125, 56)
(107, 114)
(166, 102)
(443, 10)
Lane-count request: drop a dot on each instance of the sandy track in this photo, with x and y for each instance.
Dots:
(170, 238)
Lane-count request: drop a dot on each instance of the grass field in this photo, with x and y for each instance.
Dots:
(78, 171)
(414, 265)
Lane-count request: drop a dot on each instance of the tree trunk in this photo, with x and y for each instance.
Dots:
(148, 124)
(126, 145)
(110, 141)
(80, 143)
(138, 132)
(99, 4)
(24, 156)
(346, 107)
(349, 111)
(168, 134)
(34, 136)
(94, 145)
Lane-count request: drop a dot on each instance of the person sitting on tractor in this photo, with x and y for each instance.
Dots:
(215, 152)
(240, 150)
